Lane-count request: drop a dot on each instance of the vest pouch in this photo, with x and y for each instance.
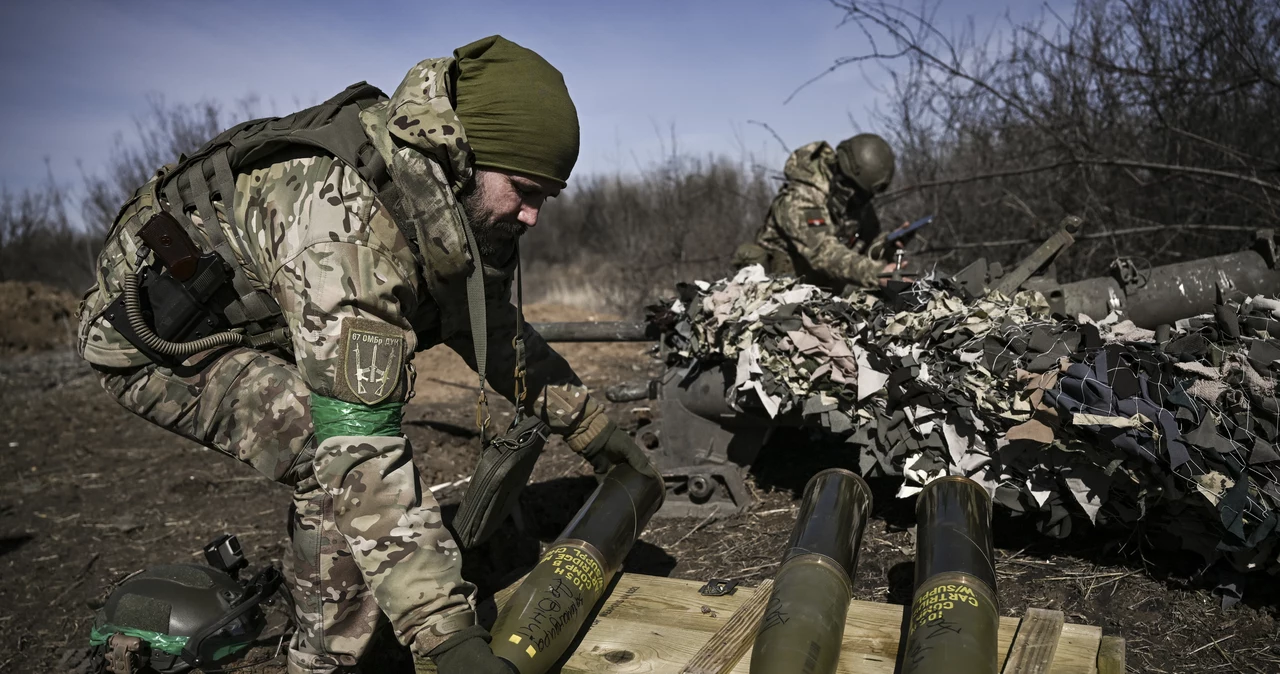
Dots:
(501, 474)
(176, 311)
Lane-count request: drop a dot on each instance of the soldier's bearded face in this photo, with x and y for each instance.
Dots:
(503, 205)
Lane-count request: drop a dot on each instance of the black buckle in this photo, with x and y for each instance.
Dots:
(718, 587)
(225, 554)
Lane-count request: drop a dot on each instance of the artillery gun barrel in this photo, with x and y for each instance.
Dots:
(1160, 295)
(803, 624)
(544, 614)
(1148, 296)
(955, 616)
(596, 331)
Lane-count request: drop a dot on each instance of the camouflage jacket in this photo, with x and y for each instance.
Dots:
(310, 232)
(359, 301)
(802, 237)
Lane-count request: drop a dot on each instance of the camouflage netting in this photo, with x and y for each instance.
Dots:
(1061, 420)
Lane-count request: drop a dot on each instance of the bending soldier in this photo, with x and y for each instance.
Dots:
(344, 239)
(822, 210)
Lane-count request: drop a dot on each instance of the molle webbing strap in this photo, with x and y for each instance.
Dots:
(208, 174)
(190, 188)
(254, 306)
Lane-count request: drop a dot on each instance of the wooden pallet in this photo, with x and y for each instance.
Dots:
(662, 625)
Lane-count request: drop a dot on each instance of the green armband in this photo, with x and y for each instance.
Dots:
(332, 417)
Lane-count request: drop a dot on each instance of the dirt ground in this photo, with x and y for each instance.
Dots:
(95, 494)
(35, 316)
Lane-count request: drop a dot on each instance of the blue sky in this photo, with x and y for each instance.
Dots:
(76, 74)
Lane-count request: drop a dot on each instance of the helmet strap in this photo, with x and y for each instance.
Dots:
(263, 585)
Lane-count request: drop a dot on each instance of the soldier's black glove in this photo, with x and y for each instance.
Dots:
(612, 447)
(468, 652)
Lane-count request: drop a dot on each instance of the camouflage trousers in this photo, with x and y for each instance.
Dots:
(254, 407)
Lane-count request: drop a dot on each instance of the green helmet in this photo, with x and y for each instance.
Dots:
(867, 160)
(174, 617)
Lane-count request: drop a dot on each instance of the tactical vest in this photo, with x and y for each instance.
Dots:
(209, 174)
(332, 128)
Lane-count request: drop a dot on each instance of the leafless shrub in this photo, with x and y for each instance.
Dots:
(160, 135)
(629, 238)
(1152, 119)
(36, 241)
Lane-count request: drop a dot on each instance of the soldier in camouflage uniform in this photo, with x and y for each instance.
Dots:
(483, 136)
(821, 209)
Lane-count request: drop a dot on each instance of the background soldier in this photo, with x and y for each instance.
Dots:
(350, 244)
(822, 210)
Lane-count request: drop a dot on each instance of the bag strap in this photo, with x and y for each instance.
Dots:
(521, 373)
(479, 323)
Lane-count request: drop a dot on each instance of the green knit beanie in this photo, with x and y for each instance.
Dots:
(515, 109)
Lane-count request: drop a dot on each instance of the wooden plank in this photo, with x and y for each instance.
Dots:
(654, 624)
(1111, 656)
(1036, 642)
(1077, 647)
(726, 647)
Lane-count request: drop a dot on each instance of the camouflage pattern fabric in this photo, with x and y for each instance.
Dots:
(1068, 422)
(802, 237)
(368, 538)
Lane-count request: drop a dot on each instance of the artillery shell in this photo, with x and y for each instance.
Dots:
(544, 615)
(803, 624)
(955, 615)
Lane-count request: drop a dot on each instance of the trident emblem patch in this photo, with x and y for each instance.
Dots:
(372, 357)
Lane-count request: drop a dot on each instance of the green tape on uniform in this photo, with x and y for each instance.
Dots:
(333, 417)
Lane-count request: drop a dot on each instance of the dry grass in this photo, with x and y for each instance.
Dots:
(35, 317)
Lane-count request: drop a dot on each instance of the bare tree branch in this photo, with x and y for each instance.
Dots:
(1095, 161)
(785, 148)
(1126, 112)
(1110, 233)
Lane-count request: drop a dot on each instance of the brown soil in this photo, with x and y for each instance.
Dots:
(95, 493)
(35, 317)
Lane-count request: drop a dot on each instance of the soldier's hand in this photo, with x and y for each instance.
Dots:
(612, 447)
(886, 274)
(892, 268)
(468, 652)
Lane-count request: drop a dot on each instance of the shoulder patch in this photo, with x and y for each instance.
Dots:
(814, 217)
(372, 358)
